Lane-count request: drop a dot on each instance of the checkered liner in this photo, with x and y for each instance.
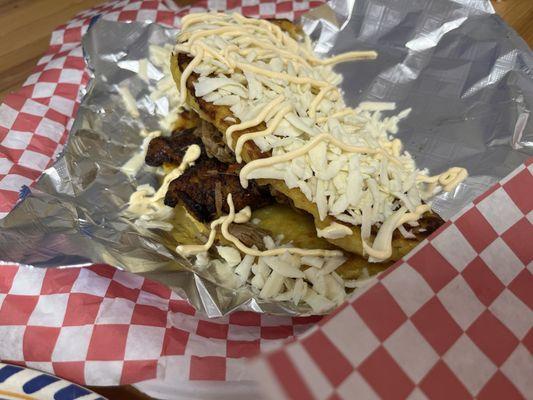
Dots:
(109, 327)
(452, 320)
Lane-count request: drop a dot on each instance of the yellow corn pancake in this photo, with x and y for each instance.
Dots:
(216, 115)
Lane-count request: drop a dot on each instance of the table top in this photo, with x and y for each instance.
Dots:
(25, 27)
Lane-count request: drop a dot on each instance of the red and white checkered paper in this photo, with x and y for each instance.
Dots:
(451, 320)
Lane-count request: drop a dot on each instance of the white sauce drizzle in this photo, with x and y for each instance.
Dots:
(323, 137)
(146, 204)
(381, 249)
(253, 135)
(253, 122)
(334, 231)
(135, 163)
(448, 179)
(351, 147)
(243, 216)
(318, 99)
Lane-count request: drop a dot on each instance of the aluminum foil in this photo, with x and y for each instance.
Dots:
(467, 76)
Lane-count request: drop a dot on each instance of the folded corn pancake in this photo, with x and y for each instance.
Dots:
(222, 117)
(195, 194)
(281, 185)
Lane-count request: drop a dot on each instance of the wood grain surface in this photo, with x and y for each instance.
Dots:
(26, 25)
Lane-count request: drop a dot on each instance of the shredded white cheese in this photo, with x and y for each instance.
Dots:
(129, 101)
(281, 277)
(343, 159)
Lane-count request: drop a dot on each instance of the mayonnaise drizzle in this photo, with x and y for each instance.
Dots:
(191, 155)
(323, 137)
(378, 175)
(338, 114)
(187, 72)
(334, 231)
(381, 249)
(278, 35)
(146, 204)
(280, 75)
(135, 163)
(253, 122)
(252, 135)
(243, 216)
(349, 56)
(448, 179)
(191, 249)
(318, 99)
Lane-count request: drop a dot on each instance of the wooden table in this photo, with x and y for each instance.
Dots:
(25, 27)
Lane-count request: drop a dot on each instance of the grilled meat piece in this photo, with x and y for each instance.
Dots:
(171, 149)
(203, 188)
(213, 142)
(250, 234)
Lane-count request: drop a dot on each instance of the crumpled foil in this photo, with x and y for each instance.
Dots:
(466, 75)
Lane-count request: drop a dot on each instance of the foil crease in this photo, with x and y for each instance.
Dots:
(466, 75)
